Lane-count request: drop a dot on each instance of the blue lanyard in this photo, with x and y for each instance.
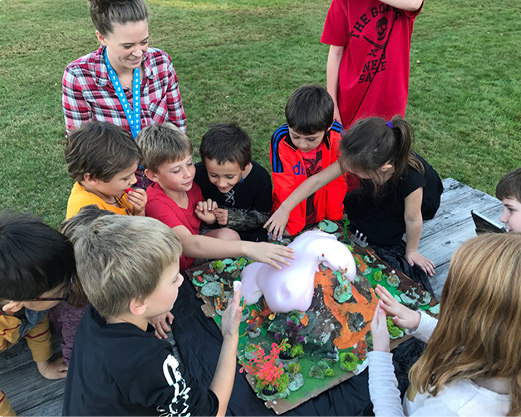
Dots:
(133, 115)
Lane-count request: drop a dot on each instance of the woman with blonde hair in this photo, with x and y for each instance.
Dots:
(472, 363)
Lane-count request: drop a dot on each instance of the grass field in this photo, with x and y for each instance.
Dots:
(239, 60)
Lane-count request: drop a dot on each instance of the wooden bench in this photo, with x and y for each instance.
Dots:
(31, 394)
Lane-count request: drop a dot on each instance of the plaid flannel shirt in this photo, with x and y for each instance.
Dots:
(88, 93)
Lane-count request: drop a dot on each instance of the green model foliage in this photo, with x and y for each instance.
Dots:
(348, 361)
(297, 351)
(394, 330)
(329, 372)
(283, 383)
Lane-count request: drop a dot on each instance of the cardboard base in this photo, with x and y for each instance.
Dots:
(341, 336)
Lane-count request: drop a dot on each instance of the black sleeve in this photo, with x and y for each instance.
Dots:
(241, 220)
(410, 182)
(263, 195)
(201, 178)
(161, 382)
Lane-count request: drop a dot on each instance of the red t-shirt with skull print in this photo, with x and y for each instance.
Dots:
(373, 78)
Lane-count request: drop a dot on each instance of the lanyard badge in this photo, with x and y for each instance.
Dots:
(133, 114)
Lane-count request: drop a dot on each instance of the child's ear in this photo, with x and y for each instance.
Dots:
(137, 307)
(13, 306)
(151, 175)
(90, 179)
(386, 167)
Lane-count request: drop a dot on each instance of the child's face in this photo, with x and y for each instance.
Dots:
(223, 176)
(306, 143)
(163, 297)
(176, 176)
(511, 215)
(116, 186)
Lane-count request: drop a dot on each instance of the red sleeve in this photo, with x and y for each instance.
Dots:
(196, 194)
(412, 15)
(284, 183)
(164, 213)
(336, 28)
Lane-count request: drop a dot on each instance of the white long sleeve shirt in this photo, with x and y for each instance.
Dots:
(459, 398)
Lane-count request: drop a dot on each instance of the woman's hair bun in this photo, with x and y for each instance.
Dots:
(103, 5)
(105, 13)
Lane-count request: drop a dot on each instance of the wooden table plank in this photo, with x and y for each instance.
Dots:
(453, 225)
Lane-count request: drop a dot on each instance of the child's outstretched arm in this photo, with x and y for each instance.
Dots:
(413, 229)
(222, 382)
(197, 246)
(278, 220)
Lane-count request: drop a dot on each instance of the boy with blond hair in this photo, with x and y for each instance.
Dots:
(117, 366)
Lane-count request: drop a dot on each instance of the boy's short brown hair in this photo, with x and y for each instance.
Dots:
(226, 142)
(310, 109)
(100, 149)
(122, 258)
(162, 143)
(510, 186)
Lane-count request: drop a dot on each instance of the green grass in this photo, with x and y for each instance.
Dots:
(239, 60)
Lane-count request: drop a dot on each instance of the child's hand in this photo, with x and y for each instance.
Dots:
(402, 316)
(269, 253)
(416, 258)
(379, 330)
(53, 370)
(277, 223)
(138, 198)
(221, 215)
(204, 211)
(231, 318)
(162, 324)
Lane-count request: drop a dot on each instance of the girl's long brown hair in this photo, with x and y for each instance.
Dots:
(479, 329)
(371, 143)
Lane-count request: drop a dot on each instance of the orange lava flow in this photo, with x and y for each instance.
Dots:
(347, 338)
